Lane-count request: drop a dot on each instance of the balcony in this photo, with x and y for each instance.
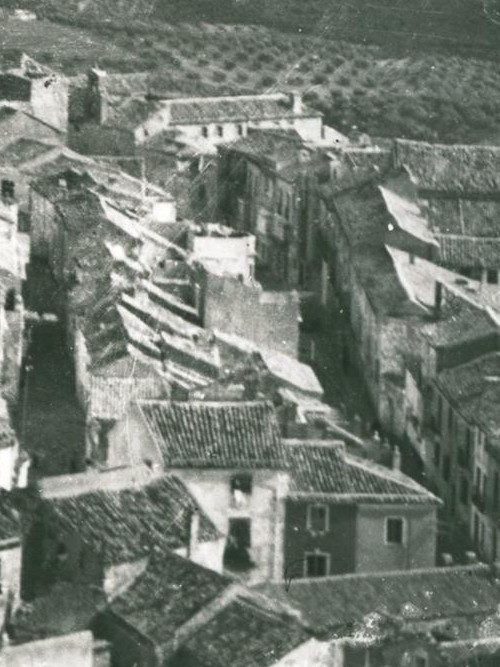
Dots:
(479, 500)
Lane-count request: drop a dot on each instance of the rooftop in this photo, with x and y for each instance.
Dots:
(241, 635)
(322, 468)
(233, 108)
(169, 592)
(22, 150)
(124, 524)
(215, 434)
(474, 389)
(330, 604)
(450, 168)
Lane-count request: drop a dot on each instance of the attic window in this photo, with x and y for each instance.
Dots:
(241, 490)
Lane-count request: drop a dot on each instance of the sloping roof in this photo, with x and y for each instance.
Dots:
(365, 221)
(241, 635)
(339, 602)
(469, 252)
(125, 524)
(269, 144)
(474, 388)
(284, 368)
(134, 112)
(324, 469)
(24, 150)
(419, 276)
(10, 520)
(110, 396)
(234, 108)
(215, 435)
(455, 168)
(169, 592)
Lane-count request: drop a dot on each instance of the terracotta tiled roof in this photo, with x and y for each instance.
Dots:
(323, 469)
(10, 522)
(474, 389)
(467, 251)
(339, 602)
(244, 108)
(110, 396)
(456, 168)
(241, 635)
(215, 435)
(124, 525)
(168, 593)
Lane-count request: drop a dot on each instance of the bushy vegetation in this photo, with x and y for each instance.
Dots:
(431, 95)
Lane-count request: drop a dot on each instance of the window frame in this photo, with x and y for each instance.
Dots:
(404, 530)
(309, 525)
(317, 553)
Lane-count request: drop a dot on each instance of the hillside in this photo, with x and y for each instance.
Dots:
(461, 23)
(430, 95)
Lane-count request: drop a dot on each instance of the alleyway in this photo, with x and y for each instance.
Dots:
(51, 421)
(343, 385)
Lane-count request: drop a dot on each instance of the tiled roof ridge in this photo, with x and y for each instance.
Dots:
(393, 475)
(480, 568)
(314, 442)
(202, 404)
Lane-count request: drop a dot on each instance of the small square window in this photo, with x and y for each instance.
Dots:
(492, 276)
(241, 490)
(394, 530)
(317, 518)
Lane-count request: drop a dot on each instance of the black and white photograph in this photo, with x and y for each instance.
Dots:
(249, 333)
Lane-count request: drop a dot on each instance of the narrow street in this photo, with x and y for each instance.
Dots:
(51, 421)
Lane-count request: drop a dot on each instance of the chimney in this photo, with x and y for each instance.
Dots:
(438, 298)
(396, 458)
(296, 102)
(194, 533)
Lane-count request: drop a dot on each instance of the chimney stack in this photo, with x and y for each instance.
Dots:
(396, 458)
(296, 100)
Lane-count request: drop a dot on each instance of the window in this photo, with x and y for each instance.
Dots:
(394, 530)
(237, 551)
(492, 276)
(204, 131)
(446, 467)
(8, 189)
(10, 300)
(437, 454)
(239, 129)
(468, 444)
(317, 518)
(220, 130)
(241, 490)
(464, 490)
(316, 564)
